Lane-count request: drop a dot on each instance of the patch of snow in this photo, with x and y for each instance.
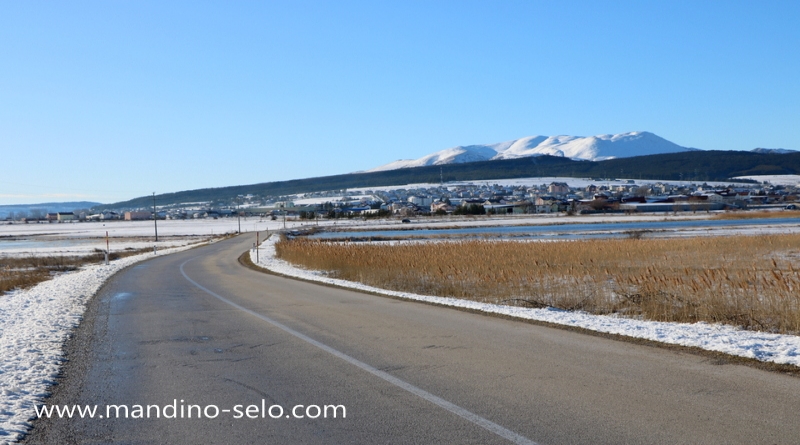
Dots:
(792, 180)
(334, 199)
(776, 151)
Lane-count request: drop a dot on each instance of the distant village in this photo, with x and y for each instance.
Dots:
(604, 196)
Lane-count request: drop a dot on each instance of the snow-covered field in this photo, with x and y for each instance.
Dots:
(83, 237)
(784, 349)
(792, 180)
(166, 228)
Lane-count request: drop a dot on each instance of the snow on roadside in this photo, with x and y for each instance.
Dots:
(777, 348)
(34, 323)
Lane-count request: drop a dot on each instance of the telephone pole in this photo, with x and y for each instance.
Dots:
(155, 216)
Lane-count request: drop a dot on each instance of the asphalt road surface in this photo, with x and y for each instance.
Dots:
(198, 331)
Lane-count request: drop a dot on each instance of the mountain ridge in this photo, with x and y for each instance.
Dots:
(591, 148)
(701, 165)
(45, 207)
(782, 151)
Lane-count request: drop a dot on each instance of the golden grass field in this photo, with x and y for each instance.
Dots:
(748, 281)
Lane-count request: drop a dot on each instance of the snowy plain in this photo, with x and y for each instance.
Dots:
(792, 180)
(73, 238)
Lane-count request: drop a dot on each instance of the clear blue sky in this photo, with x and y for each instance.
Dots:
(110, 100)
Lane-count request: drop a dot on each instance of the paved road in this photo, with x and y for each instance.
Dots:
(198, 327)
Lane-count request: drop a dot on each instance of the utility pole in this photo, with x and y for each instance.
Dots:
(155, 216)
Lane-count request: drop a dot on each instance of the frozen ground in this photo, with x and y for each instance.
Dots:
(776, 348)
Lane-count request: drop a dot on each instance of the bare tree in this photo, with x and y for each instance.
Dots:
(37, 214)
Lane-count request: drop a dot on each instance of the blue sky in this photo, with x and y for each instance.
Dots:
(107, 101)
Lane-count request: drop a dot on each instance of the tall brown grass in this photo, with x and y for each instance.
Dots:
(27, 271)
(748, 281)
(758, 214)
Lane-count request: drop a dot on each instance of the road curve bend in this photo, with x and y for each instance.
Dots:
(196, 333)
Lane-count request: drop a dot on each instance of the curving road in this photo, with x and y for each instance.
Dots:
(197, 328)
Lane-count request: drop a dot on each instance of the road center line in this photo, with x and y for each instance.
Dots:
(455, 409)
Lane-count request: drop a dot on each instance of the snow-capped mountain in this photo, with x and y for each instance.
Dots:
(774, 151)
(592, 148)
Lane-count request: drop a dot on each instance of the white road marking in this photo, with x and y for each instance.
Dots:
(453, 408)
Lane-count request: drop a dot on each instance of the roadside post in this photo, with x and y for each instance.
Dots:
(155, 216)
(107, 248)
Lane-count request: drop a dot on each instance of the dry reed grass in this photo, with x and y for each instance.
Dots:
(748, 281)
(758, 214)
(25, 272)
